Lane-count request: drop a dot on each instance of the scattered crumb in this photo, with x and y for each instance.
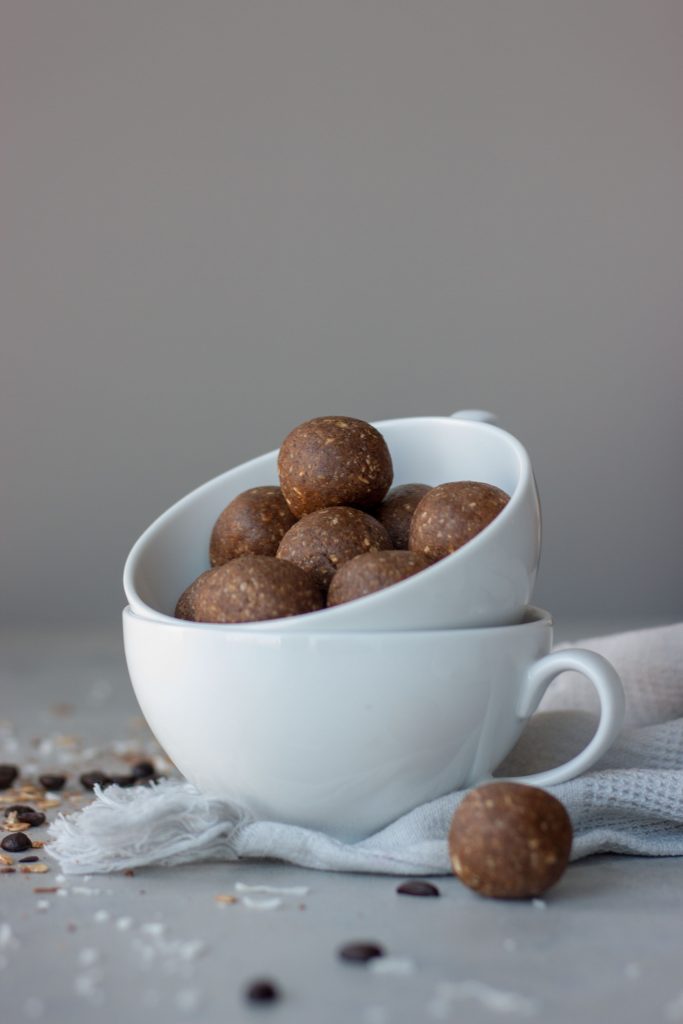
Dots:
(291, 890)
(187, 999)
(34, 1008)
(155, 928)
(261, 904)
(223, 899)
(496, 1000)
(392, 965)
(88, 956)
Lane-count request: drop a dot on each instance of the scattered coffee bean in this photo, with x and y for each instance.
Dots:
(30, 817)
(8, 773)
(91, 779)
(28, 860)
(142, 770)
(262, 991)
(19, 809)
(414, 887)
(360, 952)
(16, 842)
(123, 780)
(52, 782)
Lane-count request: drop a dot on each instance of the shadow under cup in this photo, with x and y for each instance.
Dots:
(345, 732)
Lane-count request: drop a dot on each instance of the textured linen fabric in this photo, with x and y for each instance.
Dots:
(630, 802)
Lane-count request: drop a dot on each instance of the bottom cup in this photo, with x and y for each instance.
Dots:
(345, 732)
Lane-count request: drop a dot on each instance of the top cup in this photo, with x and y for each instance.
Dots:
(486, 582)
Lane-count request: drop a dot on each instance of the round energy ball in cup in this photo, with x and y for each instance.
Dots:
(334, 460)
(451, 514)
(253, 523)
(397, 510)
(368, 573)
(253, 588)
(323, 541)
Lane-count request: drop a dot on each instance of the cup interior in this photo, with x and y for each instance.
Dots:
(174, 549)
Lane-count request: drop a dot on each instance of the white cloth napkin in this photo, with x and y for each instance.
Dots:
(631, 802)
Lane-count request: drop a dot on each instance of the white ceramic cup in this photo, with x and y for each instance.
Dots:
(487, 582)
(346, 732)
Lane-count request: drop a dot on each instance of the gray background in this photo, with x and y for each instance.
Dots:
(221, 218)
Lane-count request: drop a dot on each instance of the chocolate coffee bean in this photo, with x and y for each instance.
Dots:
(91, 779)
(416, 887)
(28, 860)
(8, 773)
(30, 817)
(16, 842)
(262, 991)
(360, 952)
(451, 514)
(52, 782)
(125, 781)
(334, 460)
(509, 841)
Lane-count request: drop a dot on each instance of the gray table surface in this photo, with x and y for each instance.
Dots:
(605, 945)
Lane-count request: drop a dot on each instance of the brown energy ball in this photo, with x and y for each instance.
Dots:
(185, 608)
(334, 460)
(373, 571)
(396, 511)
(451, 514)
(324, 540)
(255, 587)
(253, 523)
(509, 841)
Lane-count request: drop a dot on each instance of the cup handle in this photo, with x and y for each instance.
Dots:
(480, 415)
(612, 707)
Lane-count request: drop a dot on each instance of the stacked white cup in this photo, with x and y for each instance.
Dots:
(344, 719)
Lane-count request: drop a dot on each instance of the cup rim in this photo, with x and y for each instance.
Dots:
(534, 618)
(466, 551)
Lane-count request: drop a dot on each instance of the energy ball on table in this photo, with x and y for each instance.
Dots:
(334, 460)
(396, 511)
(185, 608)
(256, 587)
(324, 540)
(373, 571)
(509, 841)
(253, 523)
(451, 514)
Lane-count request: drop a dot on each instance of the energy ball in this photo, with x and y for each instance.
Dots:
(451, 514)
(396, 511)
(256, 587)
(324, 540)
(331, 461)
(253, 523)
(185, 608)
(373, 571)
(509, 841)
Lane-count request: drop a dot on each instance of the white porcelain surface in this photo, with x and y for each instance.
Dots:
(487, 582)
(346, 732)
